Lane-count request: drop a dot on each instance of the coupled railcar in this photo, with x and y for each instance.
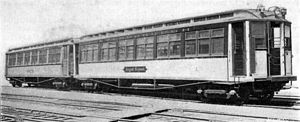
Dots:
(41, 63)
(232, 54)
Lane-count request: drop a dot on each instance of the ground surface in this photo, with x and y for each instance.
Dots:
(174, 110)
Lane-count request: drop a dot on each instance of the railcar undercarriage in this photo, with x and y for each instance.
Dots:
(207, 91)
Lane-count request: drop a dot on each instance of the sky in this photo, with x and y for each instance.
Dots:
(24, 22)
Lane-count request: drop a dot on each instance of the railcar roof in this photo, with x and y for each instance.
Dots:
(41, 44)
(226, 16)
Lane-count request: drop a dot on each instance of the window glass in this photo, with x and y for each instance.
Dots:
(141, 54)
(145, 48)
(112, 51)
(287, 31)
(104, 51)
(204, 46)
(175, 48)
(258, 28)
(260, 43)
(34, 57)
(54, 55)
(42, 56)
(162, 49)
(141, 41)
(12, 59)
(122, 50)
(27, 58)
(149, 51)
(89, 49)
(129, 49)
(20, 58)
(149, 47)
(89, 53)
(217, 32)
(204, 34)
(95, 52)
(163, 38)
(129, 52)
(175, 37)
(217, 46)
(83, 53)
(190, 35)
(190, 47)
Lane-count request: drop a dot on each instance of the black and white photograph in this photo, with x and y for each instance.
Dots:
(149, 60)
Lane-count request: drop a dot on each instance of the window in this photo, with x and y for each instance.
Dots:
(287, 31)
(204, 42)
(104, 51)
(89, 53)
(93, 52)
(122, 50)
(126, 49)
(190, 43)
(12, 59)
(168, 45)
(287, 39)
(258, 30)
(42, 56)
(112, 51)
(175, 44)
(20, 59)
(27, 58)
(54, 55)
(276, 33)
(145, 48)
(211, 42)
(217, 40)
(34, 57)
(162, 49)
(129, 49)
(260, 43)
(217, 46)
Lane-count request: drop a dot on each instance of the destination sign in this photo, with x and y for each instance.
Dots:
(135, 69)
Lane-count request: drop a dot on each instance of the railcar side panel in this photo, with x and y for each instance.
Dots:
(182, 69)
(35, 71)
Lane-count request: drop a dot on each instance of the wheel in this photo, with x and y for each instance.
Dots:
(266, 97)
(13, 84)
(19, 84)
(244, 95)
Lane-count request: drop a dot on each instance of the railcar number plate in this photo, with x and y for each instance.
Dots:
(135, 69)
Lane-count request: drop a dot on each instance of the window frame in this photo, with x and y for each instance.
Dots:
(34, 57)
(54, 56)
(148, 41)
(12, 57)
(25, 57)
(166, 40)
(199, 39)
(193, 39)
(89, 52)
(45, 55)
(20, 55)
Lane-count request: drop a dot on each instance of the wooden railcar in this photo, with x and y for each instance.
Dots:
(232, 54)
(41, 63)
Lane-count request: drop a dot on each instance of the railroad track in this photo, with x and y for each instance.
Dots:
(10, 114)
(282, 101)
(193, 115)
(276, 103)
(279, 101)
(13, 114)
(76, 104)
